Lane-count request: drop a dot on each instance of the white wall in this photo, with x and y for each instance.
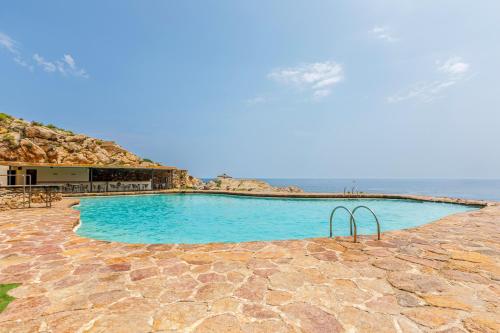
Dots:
(3, 175)
(57, 175)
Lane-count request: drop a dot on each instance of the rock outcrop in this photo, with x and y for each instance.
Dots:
(24, 141)
(245, 185)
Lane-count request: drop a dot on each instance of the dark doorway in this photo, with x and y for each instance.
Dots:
(31, 177)
(11, 177)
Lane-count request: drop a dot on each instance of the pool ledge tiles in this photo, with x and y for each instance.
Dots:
(440, 277)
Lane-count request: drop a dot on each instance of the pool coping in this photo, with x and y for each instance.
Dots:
(301, 195)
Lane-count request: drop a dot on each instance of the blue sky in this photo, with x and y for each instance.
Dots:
(312, 89)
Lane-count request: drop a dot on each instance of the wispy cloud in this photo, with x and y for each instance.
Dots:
(384, 33)
(318, 77)
(45, 65)
(453, 71)
(8, 43)
(65, 66)
(453, 66)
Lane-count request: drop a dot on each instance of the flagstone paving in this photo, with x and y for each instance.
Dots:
(440, 277)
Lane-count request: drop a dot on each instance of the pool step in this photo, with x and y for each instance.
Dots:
(352, 221)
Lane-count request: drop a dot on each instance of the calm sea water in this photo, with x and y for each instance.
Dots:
(202, 218)
(483, 189)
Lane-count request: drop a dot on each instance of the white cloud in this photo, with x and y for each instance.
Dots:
(69, 60)
(46, 65)
(453, 66)
(453, 72)
(319, 77)
(383, 33)
(12, 47)
(65, 66)
(8, 43)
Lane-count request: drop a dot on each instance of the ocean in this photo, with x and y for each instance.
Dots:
(481, 189)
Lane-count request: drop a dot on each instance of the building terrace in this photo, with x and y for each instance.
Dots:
(81, 178)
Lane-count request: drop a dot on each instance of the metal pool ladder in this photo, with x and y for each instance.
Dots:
(352, 221)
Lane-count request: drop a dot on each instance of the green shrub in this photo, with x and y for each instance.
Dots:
(10, 139)
(147, 160)
(53, 127)
(4, 116)
(36, 123)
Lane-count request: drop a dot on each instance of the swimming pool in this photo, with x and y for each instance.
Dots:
(205, 218)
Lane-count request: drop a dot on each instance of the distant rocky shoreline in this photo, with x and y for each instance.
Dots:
(226, 183)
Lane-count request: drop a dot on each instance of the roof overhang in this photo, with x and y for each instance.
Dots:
(100, 166)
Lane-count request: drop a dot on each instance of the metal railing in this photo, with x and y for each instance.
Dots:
(375, 216)
(28, 190)
(352, 221)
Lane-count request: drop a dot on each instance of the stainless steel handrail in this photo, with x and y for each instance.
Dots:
(352, 222)
(375, 216)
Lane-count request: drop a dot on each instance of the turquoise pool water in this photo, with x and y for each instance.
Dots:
(205, 218)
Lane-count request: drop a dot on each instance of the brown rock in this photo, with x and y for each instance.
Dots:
(227, 304)
(311, 318)
(179, 316)
(286, 280)
(482, 324)
(213, 291)
(470, 256)
(419, 283)
(362, 321)
(224, 323)
(431, 316)
(211, 277)
(391, 264)
(258, 311)
(144, 273)
(408, 299)
(276, 297)
(197, 258)
(106, 298)
(267, 326)
(384, 304)
(253, 289)
(446, 301)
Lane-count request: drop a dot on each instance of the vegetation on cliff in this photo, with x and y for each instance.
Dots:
(24, 141)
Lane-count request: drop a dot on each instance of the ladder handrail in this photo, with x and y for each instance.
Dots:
(375, 216)
(352, 222)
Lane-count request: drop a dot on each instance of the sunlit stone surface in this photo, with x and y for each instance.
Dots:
(442, 276)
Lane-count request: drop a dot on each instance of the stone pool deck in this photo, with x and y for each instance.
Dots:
(440, 277)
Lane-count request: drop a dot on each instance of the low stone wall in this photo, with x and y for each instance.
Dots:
(14, 199)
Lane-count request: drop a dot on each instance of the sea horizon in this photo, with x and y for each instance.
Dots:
(464, 188)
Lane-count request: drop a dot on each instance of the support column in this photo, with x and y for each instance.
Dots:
(91, 180)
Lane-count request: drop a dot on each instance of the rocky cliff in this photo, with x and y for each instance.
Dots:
(25, 141)
(245, 185)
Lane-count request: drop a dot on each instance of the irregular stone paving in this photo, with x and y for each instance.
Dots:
(441, 277)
